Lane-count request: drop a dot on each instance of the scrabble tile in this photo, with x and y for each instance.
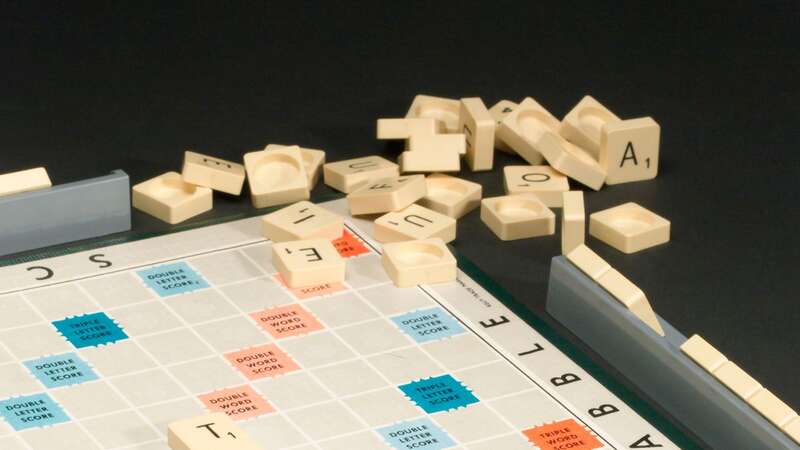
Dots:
(424, 261)
(478, 127)
(387, 194)
(517, 216)
(276, 176)
(414, 223)
(573, 221)
(522, 128)
(445, 110)
(214, 431)
(629, 227)
(588, 261)
(582, 125)
(771, 407)
(543, 181)
(792, 429)
(438, 143)
(347, 175)
(302, 220)
(571, 160)
(308, 262)
(703, 353)
(24, 181)
(405, 128)
(313, 160)
(737, 380)
(451, 196)
(629, 150)
(422, 161)
(631, 296)
(169, 198)
(214, 173)
(499, 112)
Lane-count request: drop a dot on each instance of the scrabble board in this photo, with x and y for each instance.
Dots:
(101, 349)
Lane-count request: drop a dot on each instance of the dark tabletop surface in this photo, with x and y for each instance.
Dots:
(85, 90)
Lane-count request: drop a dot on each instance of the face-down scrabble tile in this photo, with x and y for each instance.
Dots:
(276, 175)
(405, 128)
(629, 227)
(543, 181)
(214, 431)
(214, 173)
(478, 127)
(414, 223)
(583, 124)
(308, 262)
(521, 216)
(703, 353)
(451, 196)
(24, 181)
(629, 150)
(387, 194)
(302, 220)
(433, 144)
(772, 407)
(425, 155)
(588, 261)
(792, 429)
(522, 128)
(424, 261)
(348, 175)
(445, 110)
(499, 112)
(573, 221)
(169, 198)
(571, 160)
(631, 296)
(737, 380)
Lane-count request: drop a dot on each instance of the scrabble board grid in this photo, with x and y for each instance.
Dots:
(340, 383)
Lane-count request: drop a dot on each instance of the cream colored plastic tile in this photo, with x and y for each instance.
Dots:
(703, 353)
(169, 198)
(773, 408)
(438, 143)
(478, 127)
(571, 160)
(523, 127)
(445, 110)
(588, 261)
(442, 160)
(425, 261)
(303, 220)
(629, 150)
(631, 296)
(629, 227)
(276, 175)
(517, 216)
(405, 128)
(209, 432)
(214, 173)
(414, 223)
(573, 221)
(543, 181)
(451, 196)
(348, 175)
(737, 380)
(24, 181)
(308, 262)
(387, 194)
(792, 429)
(499, 112)
(583, 124)
(313, 159)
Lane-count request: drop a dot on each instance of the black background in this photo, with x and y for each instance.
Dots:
(85, 89)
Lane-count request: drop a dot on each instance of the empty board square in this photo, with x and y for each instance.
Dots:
(494, 380)
(16, 380)
(460, 351)
(402, 366)
(12, 443)
(238, 402)
(262, 362)
(365, 439)
(373, 337)
(162, 414)
(206, 375)
(292, 390)
(349, 377)
(89, 399)
(256, 295)
(120, 358)
(120, 429)
(5, 356)
(34, 341)
(60, 370)
(231, 334)
(529, 409)
(171, 279)
(366, 271)
(515, 441)
(273, 431)
(32, 411)
(202, 306)
(391, 300)
(60, 301)
(148, 387)
(226, 267)
(436, 394)
(428, 324)
(69, 436)
(116, 290)
(175, 346)
(341, 309)
(317, 349)
(325, 420)
(90, 330)
(145, 318)
(383, 407)
(16, 312)
(286, 321)
(261, 255)
(472, 423)
(416, 434)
